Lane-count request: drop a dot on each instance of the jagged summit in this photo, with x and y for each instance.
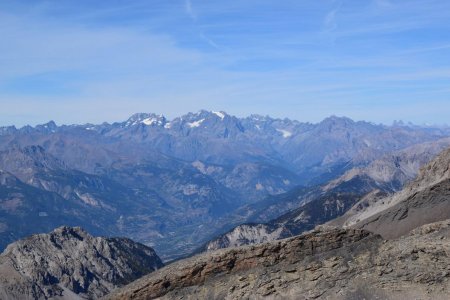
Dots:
(189, 120)
(49, 127)
(148, 119)
(159, 120)
(70, 263)
(8, 130)
(337, 119)
(342, 123)
(203, 113)
(70, 232)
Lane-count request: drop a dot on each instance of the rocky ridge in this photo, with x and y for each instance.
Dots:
(325, 263)
(246, 234)
(422, 201)
(69, 263)
(357, 190)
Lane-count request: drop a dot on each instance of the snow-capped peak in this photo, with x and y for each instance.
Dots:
(146, 119)
(151, 121)
(219, 114)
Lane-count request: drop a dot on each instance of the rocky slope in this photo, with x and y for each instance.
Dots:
(429, 205)
(319, 210)
(69, 263)
(423, 201)
(399, 167)
(247, 234)
(323, 264)
(25, 210)
(357, 190)
(144, 202)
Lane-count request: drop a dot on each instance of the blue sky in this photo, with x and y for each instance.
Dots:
(93, 61)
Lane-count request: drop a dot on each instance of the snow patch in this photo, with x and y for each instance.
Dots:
(151, 121)
(196, 123)
(285, 133)
(219, 114)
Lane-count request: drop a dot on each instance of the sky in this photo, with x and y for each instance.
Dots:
(80, 61)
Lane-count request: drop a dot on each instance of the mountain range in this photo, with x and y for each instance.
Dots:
(358, 189)
(175, 184)
(305, 210)
(393, 248)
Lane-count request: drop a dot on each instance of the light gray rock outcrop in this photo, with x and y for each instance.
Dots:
(69, 263)
(323, 264)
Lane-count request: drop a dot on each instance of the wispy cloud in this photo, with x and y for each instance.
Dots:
(329, 21)
(209, 41)
(383, 3)
(243, 57)
(190, 10)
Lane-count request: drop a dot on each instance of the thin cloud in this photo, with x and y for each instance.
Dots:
(330, 22)
(383, 3)
(209, 41)
(190, 10)
(157, 57)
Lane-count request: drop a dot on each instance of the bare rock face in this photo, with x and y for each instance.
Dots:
(425, 200)
(427, 206)
(245, 271)
(246, 234)
(342, 201)
(327, 264)
(322, 206)
(69, 263)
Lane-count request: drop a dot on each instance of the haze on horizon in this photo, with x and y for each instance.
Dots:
(84, 61)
